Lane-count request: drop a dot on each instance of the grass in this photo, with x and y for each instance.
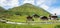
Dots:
(23, 19)
(4, 25)
(26, 10)
(29, 9)
(57, 26)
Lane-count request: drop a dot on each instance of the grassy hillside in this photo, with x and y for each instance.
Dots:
(3, 13)
(2, 10)
(29, 9)
(14, 14)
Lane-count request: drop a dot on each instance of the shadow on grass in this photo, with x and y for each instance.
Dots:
(57, 26)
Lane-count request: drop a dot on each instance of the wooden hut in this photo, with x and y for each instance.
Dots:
(53, 17)
(44, 18)
(29, 18)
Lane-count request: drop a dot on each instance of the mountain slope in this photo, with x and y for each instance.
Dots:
(29, 9)
(2, 9)
(4, 13)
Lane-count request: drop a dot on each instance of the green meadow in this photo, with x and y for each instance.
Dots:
(19, 14)
(4, 25)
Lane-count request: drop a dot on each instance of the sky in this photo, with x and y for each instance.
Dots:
(52, 6)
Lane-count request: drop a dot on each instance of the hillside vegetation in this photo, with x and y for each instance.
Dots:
(29, 9)
(19, 14)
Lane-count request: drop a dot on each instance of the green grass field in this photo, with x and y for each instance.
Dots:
(23, 19)
(4, 25)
